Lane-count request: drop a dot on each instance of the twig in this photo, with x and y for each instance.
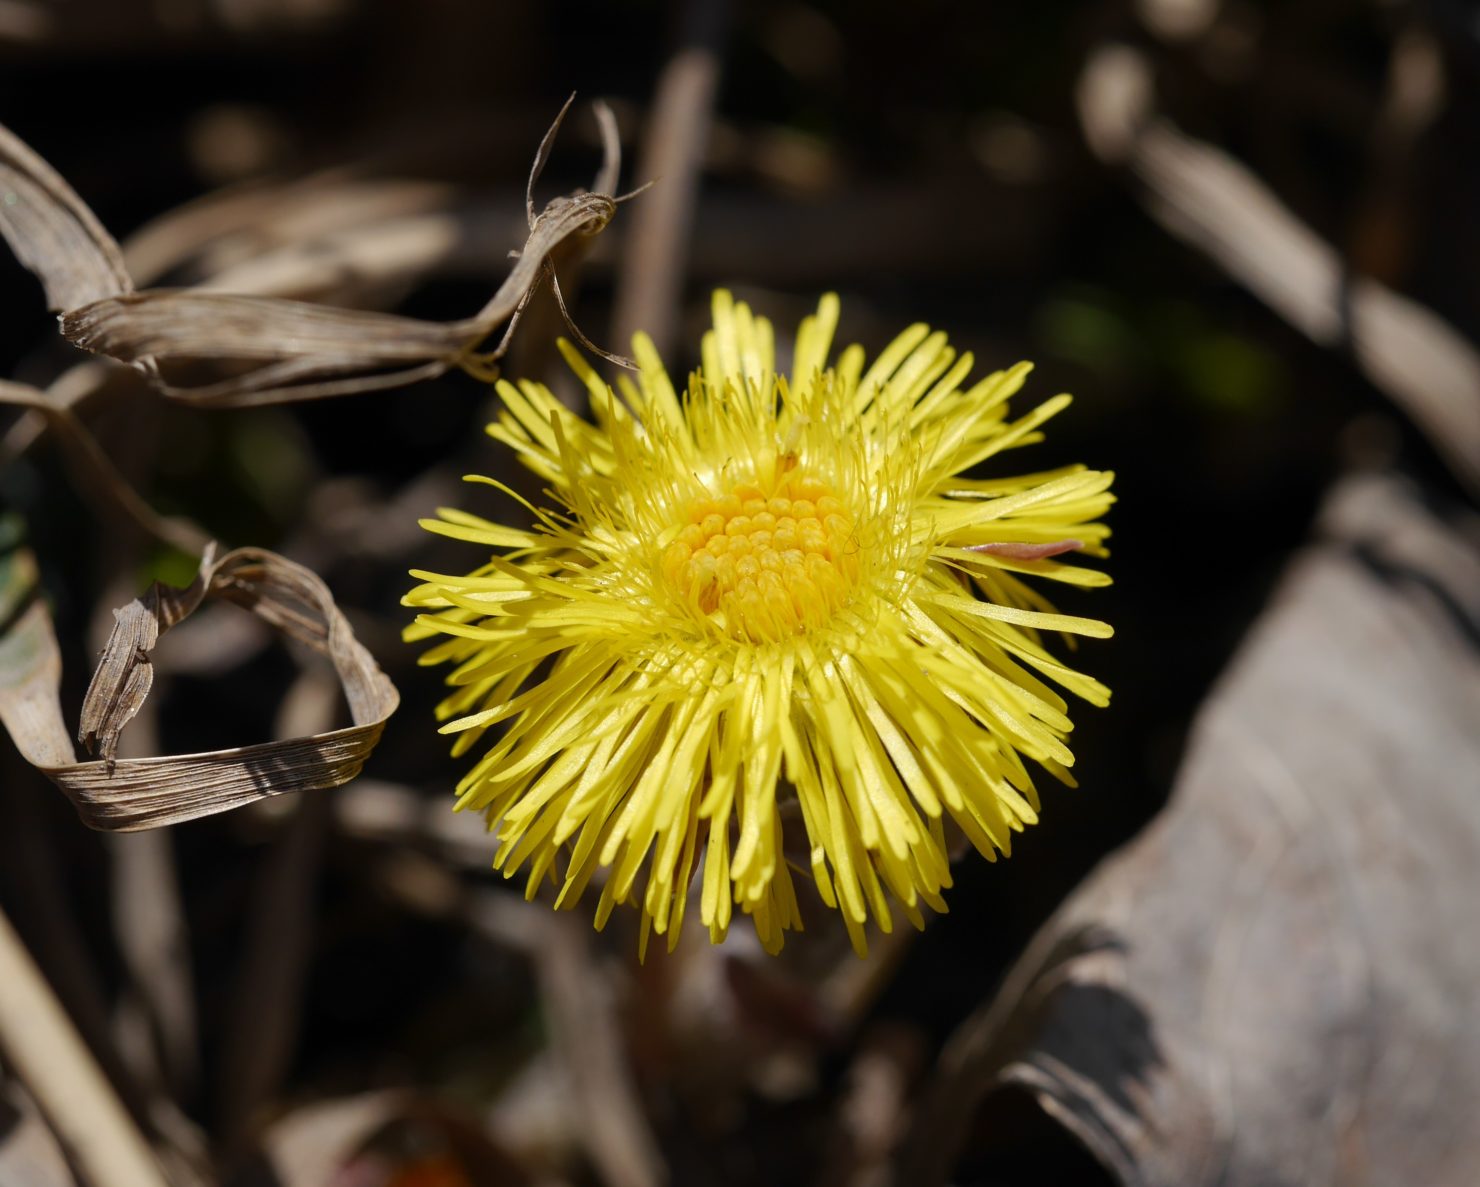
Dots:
(652, 272)
(61, 1074)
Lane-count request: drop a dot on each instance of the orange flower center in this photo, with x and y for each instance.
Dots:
(764, 566)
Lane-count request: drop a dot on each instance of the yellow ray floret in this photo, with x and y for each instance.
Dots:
(766, 599)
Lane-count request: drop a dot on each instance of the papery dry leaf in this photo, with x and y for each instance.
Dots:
(53, 233)
(271, 349)
(1277, 982)
(308, 351)
(230, 230)
(136, 793)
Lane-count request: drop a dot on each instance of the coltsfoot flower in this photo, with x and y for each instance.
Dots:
(768, 627)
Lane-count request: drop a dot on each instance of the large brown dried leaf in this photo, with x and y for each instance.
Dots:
(136, 793)
(1278, 982)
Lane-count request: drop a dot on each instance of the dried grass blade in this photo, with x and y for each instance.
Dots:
(132, 794)
(125, 674)
(53, 233)
(294, 350)
(30, 661)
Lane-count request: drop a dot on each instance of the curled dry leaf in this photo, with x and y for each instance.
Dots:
(1277, 982)
(269, 349)
(137, 793)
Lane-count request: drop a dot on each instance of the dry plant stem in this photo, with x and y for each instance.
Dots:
(1381, 240)
(267, 1004)
(873, 1106)
(586, 1034)
(853, 986)
(1211, 202)
(37, 886)
(97, 476)
(30, 1155)
(71, 390)
(45, 1049)
(673, 151)
(153, 941)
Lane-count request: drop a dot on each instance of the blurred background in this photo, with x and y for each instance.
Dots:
(1157, 202)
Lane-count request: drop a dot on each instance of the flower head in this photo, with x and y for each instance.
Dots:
(769, 625)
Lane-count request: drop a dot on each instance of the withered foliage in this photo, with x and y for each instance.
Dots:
(291, 350)
(273, 350)
(1274, 981)
(126, 794)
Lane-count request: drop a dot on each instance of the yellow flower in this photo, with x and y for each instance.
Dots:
(765, 610)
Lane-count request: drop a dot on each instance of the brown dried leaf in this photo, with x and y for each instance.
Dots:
(1277, 982)
(53, 233)
(259, 238)
(125, 674)
(137, 793)
(297, 350)
(269, 349)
